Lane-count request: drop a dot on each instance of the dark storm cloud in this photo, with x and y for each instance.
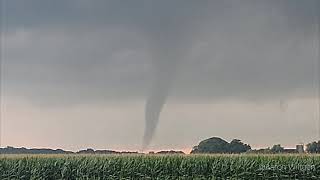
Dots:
(141, 12)
(78, 51)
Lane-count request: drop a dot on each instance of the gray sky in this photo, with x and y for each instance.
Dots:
(77, 73)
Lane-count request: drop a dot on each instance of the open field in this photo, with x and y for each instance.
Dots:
(159, 167)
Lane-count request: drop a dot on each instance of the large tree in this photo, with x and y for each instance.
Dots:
(236, 146)
(218, 145)
(277, 149)
(313, 147)
(211, 145)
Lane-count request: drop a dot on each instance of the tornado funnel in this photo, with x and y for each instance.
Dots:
(165, 70)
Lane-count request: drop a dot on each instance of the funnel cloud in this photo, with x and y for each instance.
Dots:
(168, 45)
(164, 74)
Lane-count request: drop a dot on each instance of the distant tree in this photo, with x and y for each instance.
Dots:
(236, 146)
(218, 145)
(211, 145)
(87, 151)
(313, 147)
(170, 152)
(261, 151)
(277, 149)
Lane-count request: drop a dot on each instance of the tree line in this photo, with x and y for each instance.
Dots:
(236, 146)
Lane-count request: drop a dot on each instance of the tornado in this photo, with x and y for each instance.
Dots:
(153, 108)
(166, 37)
(164, 64)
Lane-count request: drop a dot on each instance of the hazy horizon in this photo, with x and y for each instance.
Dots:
(77, 74)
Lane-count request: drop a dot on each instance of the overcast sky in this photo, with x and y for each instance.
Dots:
(76, 73)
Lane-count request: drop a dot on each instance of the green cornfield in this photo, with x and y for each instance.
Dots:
(159, 167)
